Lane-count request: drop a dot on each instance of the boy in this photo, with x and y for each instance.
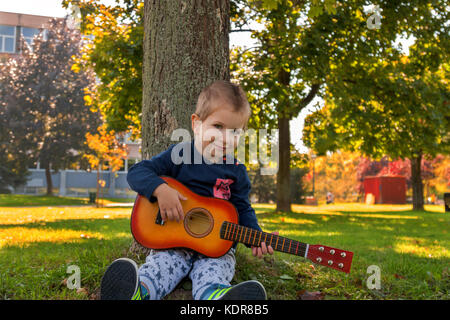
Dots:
(222, 111)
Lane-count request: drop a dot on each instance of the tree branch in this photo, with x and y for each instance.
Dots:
(312, 93)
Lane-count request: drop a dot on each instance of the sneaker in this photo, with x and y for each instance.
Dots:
(247, 290)
(121, 281)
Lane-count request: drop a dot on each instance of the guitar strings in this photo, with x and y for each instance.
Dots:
(237, 231)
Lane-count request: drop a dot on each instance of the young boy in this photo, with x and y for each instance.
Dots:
(222, 111)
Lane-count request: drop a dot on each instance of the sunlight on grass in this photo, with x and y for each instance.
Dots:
(289, 220)
(14, 216)
(22, 236)
(383, 216)
(309, 233)
(421, 247)
(23, 226)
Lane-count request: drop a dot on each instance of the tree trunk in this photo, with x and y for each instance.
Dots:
(284, 137)
(48, 177)
(283, 175)
(98, 184)
(186, 47)
(416, 180)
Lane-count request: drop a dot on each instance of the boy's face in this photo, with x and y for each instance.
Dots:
(220, 130)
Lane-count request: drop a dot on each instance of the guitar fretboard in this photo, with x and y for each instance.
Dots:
(252, 237)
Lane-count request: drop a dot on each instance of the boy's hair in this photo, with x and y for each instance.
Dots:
(226, 91)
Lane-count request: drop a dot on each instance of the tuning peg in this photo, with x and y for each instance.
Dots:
(321, 249)
(341, 265)
(319, 259)
(332, 251)
(330, 262)
(343, 254)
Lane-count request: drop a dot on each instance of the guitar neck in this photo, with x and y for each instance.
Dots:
(252, 237)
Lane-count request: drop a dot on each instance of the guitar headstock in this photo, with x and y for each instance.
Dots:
(330, 257)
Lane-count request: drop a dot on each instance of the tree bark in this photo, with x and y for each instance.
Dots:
(48, 177)
(283, 175)
(186, 47)
(416, 180)
(284, 136)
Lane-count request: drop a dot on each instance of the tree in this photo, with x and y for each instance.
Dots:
(13, 161)
(299, 49)
(386, 102)
(42, 86)
(335, 172)
(440, 180)
(106, 153)
(115, 52)
(395, 110)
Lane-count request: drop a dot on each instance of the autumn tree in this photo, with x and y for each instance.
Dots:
(41, 87)
(114, 51)
(335, 172)
(105, 152)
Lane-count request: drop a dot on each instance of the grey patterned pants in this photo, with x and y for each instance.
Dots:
(164, 269)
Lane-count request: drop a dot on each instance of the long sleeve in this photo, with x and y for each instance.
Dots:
(240, 198)
(143, 177)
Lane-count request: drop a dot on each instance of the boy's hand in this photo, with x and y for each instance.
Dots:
(169, 202)
(263, 249)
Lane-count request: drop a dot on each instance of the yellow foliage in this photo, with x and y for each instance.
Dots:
(75, 68)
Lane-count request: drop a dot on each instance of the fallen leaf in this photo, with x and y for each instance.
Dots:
(82, 290)
(307, 295)
(286, 277)
(398, 276)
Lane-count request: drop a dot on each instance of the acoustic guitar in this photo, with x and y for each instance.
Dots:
(210, 227)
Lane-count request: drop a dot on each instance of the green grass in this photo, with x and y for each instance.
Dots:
(411, 248)
(18, 200)
(37, 244)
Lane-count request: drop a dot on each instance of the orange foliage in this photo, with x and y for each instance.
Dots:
(105, 149)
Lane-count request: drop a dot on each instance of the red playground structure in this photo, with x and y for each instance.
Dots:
(385, 189)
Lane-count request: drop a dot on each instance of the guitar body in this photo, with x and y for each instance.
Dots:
(199, 231)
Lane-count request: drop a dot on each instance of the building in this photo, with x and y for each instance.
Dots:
(14, 25)
(69, 182)
(385, 189)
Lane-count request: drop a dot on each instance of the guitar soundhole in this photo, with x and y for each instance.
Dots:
(198, 222)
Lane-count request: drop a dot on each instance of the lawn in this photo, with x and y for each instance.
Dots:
(17, 200)
(37, 244)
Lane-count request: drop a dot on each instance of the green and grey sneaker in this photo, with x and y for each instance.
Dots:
(121, 281)
(247, 290)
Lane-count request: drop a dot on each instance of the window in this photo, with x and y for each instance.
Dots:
(28, 34)
(7, 39)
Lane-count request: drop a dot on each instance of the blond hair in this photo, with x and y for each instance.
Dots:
(222, 90)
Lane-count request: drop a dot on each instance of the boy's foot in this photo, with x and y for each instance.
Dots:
(247, 290)
(121, 281)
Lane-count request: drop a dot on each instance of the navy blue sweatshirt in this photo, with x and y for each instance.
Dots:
(226, 181)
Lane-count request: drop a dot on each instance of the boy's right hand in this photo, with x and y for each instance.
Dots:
(169, 202)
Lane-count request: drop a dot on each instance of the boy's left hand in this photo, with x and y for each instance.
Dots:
(263, 249)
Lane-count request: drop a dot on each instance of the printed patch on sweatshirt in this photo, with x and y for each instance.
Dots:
(222, 188)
